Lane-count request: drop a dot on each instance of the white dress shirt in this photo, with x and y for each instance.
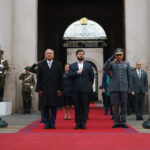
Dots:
(49, 63)
(138, 72)
(80, 65)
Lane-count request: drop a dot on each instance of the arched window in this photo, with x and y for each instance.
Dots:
(90, 31)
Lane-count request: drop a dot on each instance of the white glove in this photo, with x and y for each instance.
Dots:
(31, 87)
(1, 66)
(24, 71)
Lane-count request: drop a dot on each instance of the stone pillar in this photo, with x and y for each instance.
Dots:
(24, 43)
(18, 38)
(137, 30)
(6, 19)
(148, 73)
(137, 23)
(6, 28)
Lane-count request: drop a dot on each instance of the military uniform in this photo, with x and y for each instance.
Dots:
(120, 85)
(28, 82)
(3, 67)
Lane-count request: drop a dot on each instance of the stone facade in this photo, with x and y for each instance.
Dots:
(137, 23)
(18, 38)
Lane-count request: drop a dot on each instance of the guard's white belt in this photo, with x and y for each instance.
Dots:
(26, 83)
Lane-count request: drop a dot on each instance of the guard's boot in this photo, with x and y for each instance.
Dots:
(24, 107)
(29, 106)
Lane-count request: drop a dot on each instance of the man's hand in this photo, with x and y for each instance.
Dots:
(112, 57)
(58, 93)
(80, 71)
(40, 93)
(133, 93)
(103, 90)
(146, 93)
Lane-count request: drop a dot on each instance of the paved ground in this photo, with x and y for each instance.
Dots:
(18, 121)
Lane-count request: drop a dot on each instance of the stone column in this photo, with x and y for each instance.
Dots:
(6, 28)
(18, 38)
(24, 43)
(137, 30)
(137, 23)
(6, 19)
(148, 73)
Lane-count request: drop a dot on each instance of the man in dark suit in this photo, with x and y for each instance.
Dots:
(82, 75)
(139, 90)
(49, 87)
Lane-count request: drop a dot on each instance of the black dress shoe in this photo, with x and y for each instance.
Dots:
(128, 114)
(116, 126)
(124, 126)
(83, 126)
(29, 111)
(52, 126)
(77, 126)
(46, 127)
(112, 118)
(42, 121)
(141, 118)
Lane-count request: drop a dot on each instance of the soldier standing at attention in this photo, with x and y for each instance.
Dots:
(3, 67)
(120, 85)
(28, 82)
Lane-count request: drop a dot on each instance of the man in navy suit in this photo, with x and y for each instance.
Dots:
(82, 75)
(139, 90)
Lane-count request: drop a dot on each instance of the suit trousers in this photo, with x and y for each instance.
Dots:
(107, 103)
(139, 104)
(119, 98)
(81, 107)
(49, 116)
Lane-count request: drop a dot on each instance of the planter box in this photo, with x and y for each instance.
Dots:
(5, 108)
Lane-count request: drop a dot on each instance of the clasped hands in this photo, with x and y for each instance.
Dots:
(58, 93)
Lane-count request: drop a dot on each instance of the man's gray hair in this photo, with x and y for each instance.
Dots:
(48, 49)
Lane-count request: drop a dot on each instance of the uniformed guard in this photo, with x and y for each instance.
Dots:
(28, 82)
(120, 85)
(34, 69)
(3, 67)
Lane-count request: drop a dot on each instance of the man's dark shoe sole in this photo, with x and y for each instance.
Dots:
(115, 126)
(77, 127)
(124, 126)
(46, 127)
(83, 127)
(52, 127)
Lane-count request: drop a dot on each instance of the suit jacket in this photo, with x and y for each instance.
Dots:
(139, 84)
(84, 81)
(121, 76)
(49, 81)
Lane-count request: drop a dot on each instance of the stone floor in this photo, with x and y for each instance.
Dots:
(18, 121)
